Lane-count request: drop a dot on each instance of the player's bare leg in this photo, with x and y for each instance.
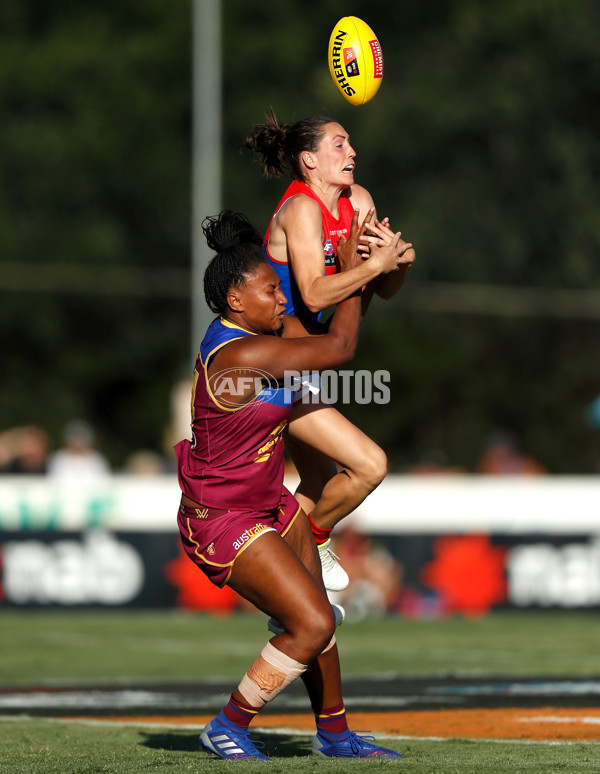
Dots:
(319, 437)
(328, 491)
(271, 574)
(322, 679)
(282, 577)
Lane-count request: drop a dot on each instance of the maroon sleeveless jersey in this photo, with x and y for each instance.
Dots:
(235, 458)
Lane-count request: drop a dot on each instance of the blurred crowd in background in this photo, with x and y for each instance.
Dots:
(29, 450)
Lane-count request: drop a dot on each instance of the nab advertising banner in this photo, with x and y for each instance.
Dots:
(95, 567)
(473, 573)
(98, 568)
(419, 546)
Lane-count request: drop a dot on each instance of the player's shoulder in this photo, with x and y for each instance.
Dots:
(360, 197)
(300, 205)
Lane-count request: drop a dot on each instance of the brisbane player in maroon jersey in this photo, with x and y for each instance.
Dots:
(237, 521)
(301, 244)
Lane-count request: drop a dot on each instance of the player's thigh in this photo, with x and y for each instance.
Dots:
(301, 540)
(314, 468)
(331, 435)
(271, 575)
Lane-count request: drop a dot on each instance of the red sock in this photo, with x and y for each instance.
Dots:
(238, 713)
(321, 533)
(332, 720)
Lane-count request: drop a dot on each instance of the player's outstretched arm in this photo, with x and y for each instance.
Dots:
(385, 285)
(388, 284)
(277, 354)
(301, 221)
(301, 348)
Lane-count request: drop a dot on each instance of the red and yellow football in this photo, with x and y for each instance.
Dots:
(355, 60)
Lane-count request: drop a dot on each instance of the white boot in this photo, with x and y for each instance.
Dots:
(335, 577)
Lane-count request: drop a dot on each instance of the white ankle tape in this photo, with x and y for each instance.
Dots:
(270, 674)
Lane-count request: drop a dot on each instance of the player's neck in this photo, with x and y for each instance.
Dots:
(328, 194)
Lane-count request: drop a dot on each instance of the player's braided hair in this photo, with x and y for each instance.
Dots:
(238, 250)
(282, 145)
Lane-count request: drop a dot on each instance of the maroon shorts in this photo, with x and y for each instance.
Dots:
(214, 538)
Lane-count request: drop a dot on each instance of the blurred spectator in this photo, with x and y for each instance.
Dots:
(180, 422)
(433, 462)
(78, 458)
(145, 462)
(24, 450)
(375, 576)
(502, 456)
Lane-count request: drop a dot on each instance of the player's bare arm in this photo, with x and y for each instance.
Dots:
(300, 220)
(311, 353)
(386, 285)
(362, 201)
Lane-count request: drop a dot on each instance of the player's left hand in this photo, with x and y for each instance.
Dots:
(350, 250)
(382, 232)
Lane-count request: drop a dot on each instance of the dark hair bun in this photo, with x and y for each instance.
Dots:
(229, 229)
(238, 248)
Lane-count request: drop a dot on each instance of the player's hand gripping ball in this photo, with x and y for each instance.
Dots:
(355, 60)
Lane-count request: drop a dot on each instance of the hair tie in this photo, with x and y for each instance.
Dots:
(228, 244)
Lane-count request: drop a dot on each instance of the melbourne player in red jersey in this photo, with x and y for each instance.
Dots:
(237, 521)
(301, 243)
(333, 227)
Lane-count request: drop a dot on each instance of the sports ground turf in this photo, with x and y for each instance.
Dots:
(129, 691)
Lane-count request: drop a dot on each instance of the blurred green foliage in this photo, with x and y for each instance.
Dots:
(481, 145)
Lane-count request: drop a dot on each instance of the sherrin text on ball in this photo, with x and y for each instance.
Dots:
(355, 60)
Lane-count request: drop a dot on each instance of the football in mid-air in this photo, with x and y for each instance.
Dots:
(355, 60)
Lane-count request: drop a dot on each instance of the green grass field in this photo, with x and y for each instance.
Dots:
(42, 747)
(134, 645)
(49, 648)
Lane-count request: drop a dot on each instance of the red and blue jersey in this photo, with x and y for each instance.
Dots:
(332, 227)
(235, 459)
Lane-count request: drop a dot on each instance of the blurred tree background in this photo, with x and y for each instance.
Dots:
(481, 146)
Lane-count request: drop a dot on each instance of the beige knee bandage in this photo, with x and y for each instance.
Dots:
(270, 674)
